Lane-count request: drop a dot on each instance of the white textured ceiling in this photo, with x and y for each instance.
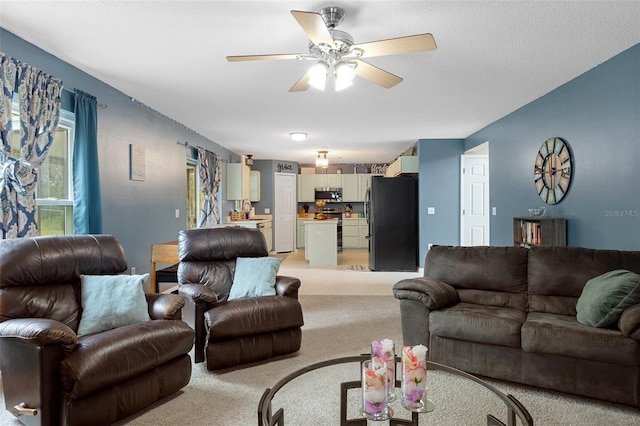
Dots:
(492, 58)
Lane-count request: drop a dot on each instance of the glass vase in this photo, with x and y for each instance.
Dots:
(414, 378)
(374, 390)
(385, 350)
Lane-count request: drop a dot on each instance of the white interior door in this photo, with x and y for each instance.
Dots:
(285, 212)
(474, 216)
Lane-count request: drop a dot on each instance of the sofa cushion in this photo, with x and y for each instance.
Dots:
(606, 296)
(110, 301)
(564, 271)
(104, 359)
(255, 315)
(478, 323)
(254, 277)
(564, 335)
(480, 268)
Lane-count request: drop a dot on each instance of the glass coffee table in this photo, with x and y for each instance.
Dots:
(323, 393)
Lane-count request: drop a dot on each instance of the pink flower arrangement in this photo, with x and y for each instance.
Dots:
(374, 387)
(385, 350)
(414, 373)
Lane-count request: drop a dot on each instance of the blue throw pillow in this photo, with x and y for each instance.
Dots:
(111, 301)
(606, 296)
(254, 276)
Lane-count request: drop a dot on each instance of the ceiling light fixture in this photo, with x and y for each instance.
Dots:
(298, 136)
(321, 160)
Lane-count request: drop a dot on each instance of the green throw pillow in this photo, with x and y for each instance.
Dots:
(254, 276)
(605, 297)
(111, 301)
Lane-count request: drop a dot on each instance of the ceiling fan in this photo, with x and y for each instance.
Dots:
(338, 57)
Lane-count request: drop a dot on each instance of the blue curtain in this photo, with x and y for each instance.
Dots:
(87, 204)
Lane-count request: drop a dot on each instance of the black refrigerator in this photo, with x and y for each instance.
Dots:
(392, 214)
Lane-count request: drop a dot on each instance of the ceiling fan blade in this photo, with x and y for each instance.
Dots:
(394, 46)
(376, 75)
(314, 26)
(262, 57)
(301, 85)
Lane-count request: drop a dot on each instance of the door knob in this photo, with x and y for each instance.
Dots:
(22, 410)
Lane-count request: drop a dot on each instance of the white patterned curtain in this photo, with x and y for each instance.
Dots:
(210, 186)
(39, 107)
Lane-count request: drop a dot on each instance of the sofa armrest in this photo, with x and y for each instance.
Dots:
(433, 293)
(40, 331)
(287, 286)
(164, 306)
(629, 322)
(198, 293)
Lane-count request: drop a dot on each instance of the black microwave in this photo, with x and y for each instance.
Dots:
(329, 195)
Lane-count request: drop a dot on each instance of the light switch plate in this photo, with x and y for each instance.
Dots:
(431, 210)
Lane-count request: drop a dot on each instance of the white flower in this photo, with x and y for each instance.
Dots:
(387, 346)
(420, 351)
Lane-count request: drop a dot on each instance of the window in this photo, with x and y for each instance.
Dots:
(54, 191)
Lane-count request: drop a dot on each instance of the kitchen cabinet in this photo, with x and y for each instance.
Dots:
(350, 233)
(306, 188)
(350, 188)
(254, 185)
(267, 230)
(238, 186)
(300, 231)
(321, 242)
(363, 234)
(328, 181)
(402, 166)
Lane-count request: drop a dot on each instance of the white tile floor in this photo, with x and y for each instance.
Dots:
(339, 280)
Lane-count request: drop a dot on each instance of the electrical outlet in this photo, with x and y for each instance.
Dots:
(267, 211)
(177, 213)
(133, 270)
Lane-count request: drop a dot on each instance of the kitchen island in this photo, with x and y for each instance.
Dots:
(321, 242)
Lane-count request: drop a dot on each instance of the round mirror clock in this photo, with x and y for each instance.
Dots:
(552, 171)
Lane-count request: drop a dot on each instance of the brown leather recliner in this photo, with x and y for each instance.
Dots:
(239, 331)
(60, 378)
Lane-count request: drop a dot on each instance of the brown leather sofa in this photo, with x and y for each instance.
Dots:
(239, 331)
(96, 379)
(510, 313)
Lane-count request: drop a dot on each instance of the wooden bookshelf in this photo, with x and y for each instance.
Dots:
(532, 231)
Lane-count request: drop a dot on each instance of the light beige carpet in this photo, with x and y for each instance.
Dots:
(337, 326)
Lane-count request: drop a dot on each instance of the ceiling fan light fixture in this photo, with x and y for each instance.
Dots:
(344, 75)
(298, 136)
(321, 160)
(318, 75)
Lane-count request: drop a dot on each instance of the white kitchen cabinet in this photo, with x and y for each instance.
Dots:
(238, 186)
(350, 233)
(350, 188)
(363, 233)
(306, 188)
(300, 233)
(321, 242)
(254, 185)
(403, 165)
(267, 230)
(328, 181)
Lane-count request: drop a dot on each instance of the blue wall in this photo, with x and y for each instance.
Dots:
(598, 114)
(439, 187)
(138, 214)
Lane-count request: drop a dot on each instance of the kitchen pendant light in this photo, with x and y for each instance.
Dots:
(321, 160)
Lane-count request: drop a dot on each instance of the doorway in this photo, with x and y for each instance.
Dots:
(284, 220)
(474, 197)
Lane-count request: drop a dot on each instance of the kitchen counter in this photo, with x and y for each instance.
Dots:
(321, 242)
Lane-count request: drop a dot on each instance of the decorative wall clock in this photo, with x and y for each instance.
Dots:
(552, 171)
